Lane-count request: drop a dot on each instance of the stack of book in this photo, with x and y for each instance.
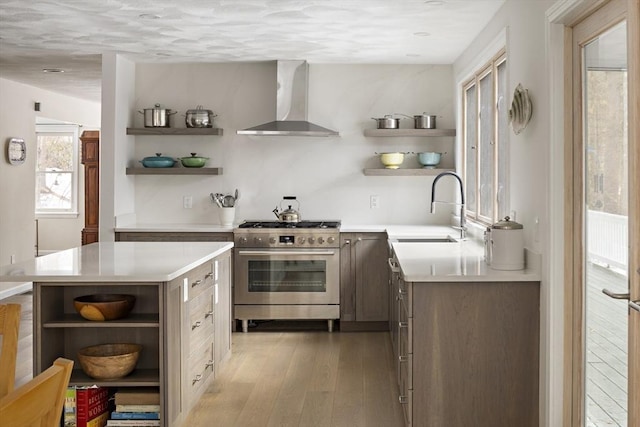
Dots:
(86, 407)
(136, 407)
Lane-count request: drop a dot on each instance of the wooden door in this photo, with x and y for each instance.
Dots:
(90, 140)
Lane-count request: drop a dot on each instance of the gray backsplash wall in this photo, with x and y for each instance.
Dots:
(326, 174)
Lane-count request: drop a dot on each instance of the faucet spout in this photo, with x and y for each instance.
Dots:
(462, 226)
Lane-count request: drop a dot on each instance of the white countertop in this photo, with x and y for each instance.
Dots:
(177, 228)
(116, 262)
(453, 262)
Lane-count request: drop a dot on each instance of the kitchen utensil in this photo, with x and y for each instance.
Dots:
(391, 160)
(236, 195)
(193, 161)
(159, 161)
(289, 214)
(387, 122)
(507, 245)
(422, 121)
(156, 117)
(215, 199)
(429, 160)
(228, 201)
(100, 307)
(199, 118)
(109, 361)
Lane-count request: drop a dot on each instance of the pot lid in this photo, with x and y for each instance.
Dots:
(507, 224)
(199, 109)
(158, 156)
(193, 156)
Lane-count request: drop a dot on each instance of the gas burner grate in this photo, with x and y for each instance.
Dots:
(290, 225)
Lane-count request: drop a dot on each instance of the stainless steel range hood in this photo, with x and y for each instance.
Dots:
(291, 105)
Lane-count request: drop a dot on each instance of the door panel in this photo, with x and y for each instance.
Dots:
(602, 218)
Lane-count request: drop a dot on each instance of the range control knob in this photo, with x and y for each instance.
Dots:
(311, 240)
(257, 239)
(320, 240)
(331, 240)
(272, 240)
(301, 239)
(243, 240)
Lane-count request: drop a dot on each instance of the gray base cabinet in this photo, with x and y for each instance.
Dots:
(161, 236)
(364, 281)
(467, 354)
(184, 327)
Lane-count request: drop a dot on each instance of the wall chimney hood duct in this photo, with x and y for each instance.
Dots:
(291, 105)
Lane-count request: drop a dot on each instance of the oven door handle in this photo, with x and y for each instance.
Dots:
(287, 253)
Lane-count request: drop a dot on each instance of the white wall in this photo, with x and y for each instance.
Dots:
(325, 173)
(17, 183)
(525, 25)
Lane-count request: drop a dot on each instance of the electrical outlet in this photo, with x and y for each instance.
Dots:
(187, 202)
(374, 202)
(13, 259)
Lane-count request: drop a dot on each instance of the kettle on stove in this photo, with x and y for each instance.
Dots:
(289, 214)
(506, 245)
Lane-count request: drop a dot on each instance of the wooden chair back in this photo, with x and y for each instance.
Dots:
(40, 401)
(9, 329)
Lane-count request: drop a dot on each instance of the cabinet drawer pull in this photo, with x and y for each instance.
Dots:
(208, 313)
(393, 266)
(196, 325)
(403, 400)
(208, 275)
(196, 379)
(402, 291)
(196, 283)
(403, 358)
(208, 365)
(403, 324)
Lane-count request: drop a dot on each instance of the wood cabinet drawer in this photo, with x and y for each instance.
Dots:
(201, 319)
(201, 367)
(200, 279)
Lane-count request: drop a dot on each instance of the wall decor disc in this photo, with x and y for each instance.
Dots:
(521, 109)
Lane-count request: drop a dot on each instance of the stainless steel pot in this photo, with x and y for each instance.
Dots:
(424, 121)
(387, 122)
(289, 214)
(199, 118)
(156, 117)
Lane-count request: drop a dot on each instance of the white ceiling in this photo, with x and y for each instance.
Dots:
(72, 34)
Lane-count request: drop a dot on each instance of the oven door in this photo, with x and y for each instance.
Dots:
(294, 276)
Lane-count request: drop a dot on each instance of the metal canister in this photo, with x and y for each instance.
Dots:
(507, 245)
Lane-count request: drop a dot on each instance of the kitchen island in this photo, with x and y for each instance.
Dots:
(181, 317)
(465, 336)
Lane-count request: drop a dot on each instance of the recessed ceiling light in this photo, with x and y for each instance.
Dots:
(148, 16)
(52, 70)
(162, 54)
(422, 34)
(434, 2)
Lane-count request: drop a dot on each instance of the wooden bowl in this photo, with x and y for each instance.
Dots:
(109, 361)
(100, 307)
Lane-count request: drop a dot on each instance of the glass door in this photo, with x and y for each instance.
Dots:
(605, 228)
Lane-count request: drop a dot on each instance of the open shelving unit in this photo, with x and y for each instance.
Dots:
(409, 132)
(403, 172)
(174, 131)
(174, 171)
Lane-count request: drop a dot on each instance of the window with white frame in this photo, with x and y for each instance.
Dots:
(57, 166)
(485, 141)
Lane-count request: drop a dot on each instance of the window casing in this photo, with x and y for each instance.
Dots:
(485, 141)
(57, 167)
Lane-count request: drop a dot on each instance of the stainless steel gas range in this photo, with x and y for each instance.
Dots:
(287, 270)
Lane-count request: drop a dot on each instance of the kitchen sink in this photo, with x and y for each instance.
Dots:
(426, 240)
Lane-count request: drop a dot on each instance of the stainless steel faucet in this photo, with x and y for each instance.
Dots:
(462, 226)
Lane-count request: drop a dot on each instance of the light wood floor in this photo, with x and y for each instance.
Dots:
(275, 378)
(304, 379)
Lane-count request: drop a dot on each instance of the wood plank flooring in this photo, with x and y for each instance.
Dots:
(304, 379)
(277, 378)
